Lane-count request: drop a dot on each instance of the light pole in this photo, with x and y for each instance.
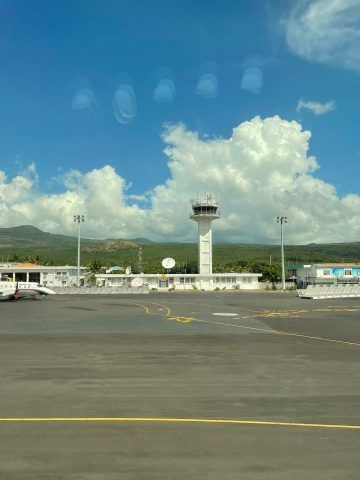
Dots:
(78, 219)
(282, 220)
(140, 260)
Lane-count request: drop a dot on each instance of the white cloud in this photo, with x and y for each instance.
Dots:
(316, 108)
(325, 31)
(262, 170)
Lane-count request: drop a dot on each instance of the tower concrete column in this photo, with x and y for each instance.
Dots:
(204, 212)
(205, 246)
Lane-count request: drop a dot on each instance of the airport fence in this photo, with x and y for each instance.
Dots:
(92, 290)
(330, 291)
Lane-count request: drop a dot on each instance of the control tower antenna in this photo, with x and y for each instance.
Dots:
(204, 212)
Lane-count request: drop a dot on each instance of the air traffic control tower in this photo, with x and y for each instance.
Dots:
(204, 212)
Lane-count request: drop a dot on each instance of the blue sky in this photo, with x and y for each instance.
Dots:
(62, 62)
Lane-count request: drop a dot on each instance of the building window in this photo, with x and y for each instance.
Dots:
(182, 280)
(348, 272)
(326, 272)
(34, 277)
(233, 280)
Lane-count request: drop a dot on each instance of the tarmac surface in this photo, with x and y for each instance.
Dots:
(221, 385)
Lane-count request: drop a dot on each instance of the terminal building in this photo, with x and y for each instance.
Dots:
(204, 212)
(50, 276)
(324, 273)
(179, 281)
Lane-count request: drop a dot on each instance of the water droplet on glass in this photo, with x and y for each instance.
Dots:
(85, 105)
(83, 100)
(124, 104)
(252, 80)
(165, 91)
(207, 86)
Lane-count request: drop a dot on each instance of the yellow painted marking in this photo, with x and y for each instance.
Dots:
(182, 319)
(147, 309)
(274, 332)
(134, 303)
(277, 332)
(180, 420)
(311, 337)
(289, 313)
(168, 311)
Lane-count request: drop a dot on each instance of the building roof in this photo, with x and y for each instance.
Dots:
(297, 265)
(26, 264)
(172, 275)
(30, 267)
(337, 265)
(326, 265)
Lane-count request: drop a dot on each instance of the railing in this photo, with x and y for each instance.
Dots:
(330, 291)
(115, 290)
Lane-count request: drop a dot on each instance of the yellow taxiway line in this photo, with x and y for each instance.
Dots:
(178, 420)
(278, 332)
(171, 316)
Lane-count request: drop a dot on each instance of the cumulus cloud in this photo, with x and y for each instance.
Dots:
(262, 170)
(316, 108)
(325, 31)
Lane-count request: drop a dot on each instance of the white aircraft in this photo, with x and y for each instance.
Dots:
(16, 290)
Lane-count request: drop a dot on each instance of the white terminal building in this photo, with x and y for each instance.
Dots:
(324, 273)
(203, 212)
(50, 276)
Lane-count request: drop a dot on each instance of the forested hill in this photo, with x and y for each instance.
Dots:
(28, 236)
(31, 244)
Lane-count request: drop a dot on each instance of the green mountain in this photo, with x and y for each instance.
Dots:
(27, 243)
(27, 236)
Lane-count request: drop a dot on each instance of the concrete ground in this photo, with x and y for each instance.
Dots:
(98, 388)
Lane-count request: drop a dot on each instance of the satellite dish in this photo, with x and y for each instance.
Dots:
(137, 282)
(168, 263)
(128, 270)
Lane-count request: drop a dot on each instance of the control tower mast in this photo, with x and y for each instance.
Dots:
(204, 212)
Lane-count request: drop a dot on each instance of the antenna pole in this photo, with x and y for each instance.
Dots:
(140, 260)
(78, 219)
(282, 220)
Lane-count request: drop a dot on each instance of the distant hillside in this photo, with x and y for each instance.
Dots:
(31, 244)
(27, 236)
